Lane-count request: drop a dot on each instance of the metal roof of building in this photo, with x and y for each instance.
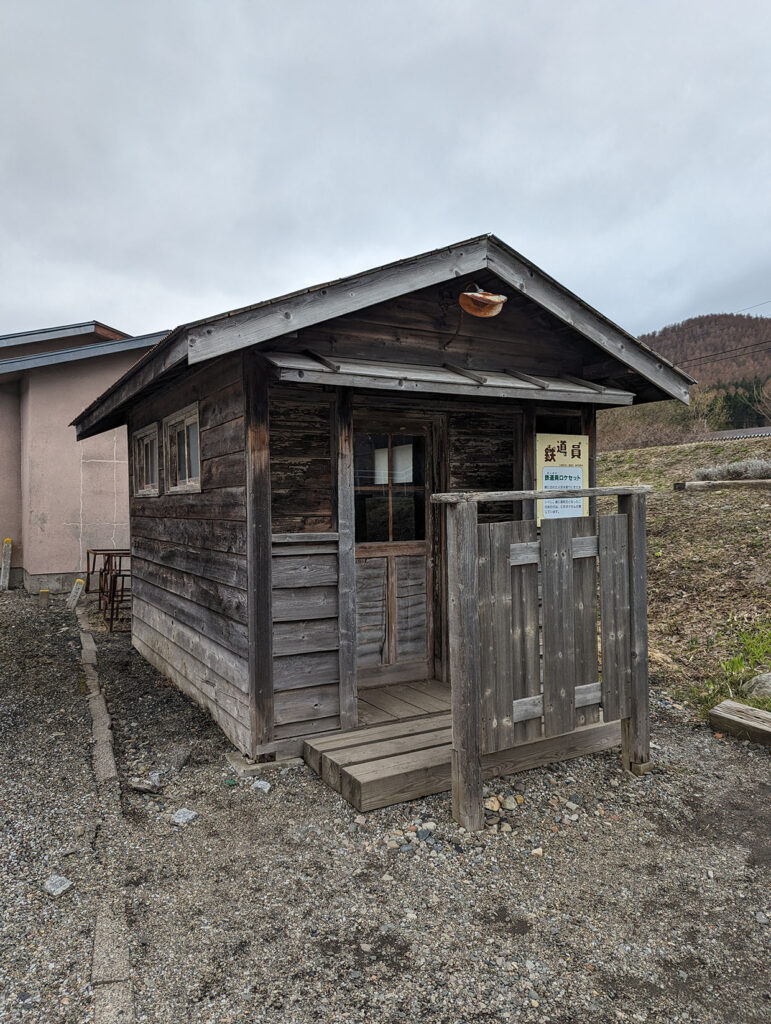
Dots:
(56, 333)
(69, 355)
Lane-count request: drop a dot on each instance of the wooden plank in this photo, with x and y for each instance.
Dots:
(614, 614)
(258, 554)
(222, 503)
(530, 552)
(223, 471)
(296, 671)
(525, 633)
(231, 635)
(369, 715)
(585, 549)
(558, 627)
(304, 571)
(309, 728)
(741, 720)
(333, 762)
(371, 591)
(636, 728)
(308, 549)
(305, 637)
(529, 466)
(464, 664)
(211, 535)
(297, 603)
(304, 538)
(238, 734)
(422, 698)
(224, 439)
(461, 497)
(280, 317)
(382, 697)
(311, 703)
(375, 734)
(411, 619)
(230, 602)
(501, 537)
(487, 640)
(424, 772)
(212, 655)
(221, 567)
(532, 707)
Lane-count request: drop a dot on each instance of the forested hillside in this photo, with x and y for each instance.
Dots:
(720, 348)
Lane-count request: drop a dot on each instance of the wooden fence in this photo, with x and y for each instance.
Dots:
(523, 611)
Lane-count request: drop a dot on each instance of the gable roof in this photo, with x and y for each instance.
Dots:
(264, 321)
(30, 361)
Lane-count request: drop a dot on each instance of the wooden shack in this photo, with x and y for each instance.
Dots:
(289, 564)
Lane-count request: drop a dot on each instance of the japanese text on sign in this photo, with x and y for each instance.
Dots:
(562, 464)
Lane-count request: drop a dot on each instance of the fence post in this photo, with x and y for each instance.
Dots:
(635, 730)
(464, 664)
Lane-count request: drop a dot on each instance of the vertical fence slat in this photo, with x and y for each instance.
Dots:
(487, 639)
(525, 639)
(585, 601)
(558, 626)
(503, 687)
(614, 615)
(636, 728)
(464, 664)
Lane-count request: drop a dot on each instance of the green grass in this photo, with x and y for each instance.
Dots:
(753, 655)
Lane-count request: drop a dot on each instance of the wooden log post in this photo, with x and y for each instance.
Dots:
(5, 565)
(75, 594)
(464, 664)
(258, 552)
(635, 730)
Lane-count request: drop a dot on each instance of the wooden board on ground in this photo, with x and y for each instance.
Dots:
(741, 720)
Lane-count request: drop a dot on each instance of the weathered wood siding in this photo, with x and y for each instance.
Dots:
(301, 462)
(189, 554)
(306, 671)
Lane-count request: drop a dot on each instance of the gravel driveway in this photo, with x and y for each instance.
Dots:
(49, 814)
(649, 900)
(593, 895)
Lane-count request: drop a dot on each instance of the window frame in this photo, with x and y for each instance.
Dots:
(185, 417)
(138, 439)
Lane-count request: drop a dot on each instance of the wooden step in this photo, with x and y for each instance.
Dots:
(332, 762)
(741, 720)
(315, 746)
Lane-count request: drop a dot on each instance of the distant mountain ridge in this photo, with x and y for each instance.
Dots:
(719, 348)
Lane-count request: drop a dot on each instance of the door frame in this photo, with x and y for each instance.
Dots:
(395, 420)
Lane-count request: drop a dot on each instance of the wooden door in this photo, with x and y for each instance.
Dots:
(393, 545)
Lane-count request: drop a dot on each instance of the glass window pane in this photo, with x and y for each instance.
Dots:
(192, 451)
(181, 455)
(370, 459)
(154, 462)
(409, 512)
(371, 510)
(171, 456)
(409, 459)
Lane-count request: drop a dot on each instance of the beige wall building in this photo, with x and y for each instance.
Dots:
(57, 497)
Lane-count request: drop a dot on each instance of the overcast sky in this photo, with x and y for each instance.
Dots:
(164, 160)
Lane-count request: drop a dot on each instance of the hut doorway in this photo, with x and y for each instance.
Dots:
(392, 488)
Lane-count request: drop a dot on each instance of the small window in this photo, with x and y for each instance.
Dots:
(180, 441)
(146, 462)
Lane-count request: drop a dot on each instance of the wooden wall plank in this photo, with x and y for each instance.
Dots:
(501, 539)
(614, 612)
(304, 571)
(219, 598)
(212, 565)
(220, 504)
(228, 536)
(223, 439)
(558, 626)
(223, 470)
(297, 671)
(371, 596)
(297, 603)
(305, 637)
(488, 648)
(314, 702)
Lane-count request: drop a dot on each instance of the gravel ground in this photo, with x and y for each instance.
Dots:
(649, 899)
(49, 814)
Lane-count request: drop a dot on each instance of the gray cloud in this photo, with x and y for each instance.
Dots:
(165, 160)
